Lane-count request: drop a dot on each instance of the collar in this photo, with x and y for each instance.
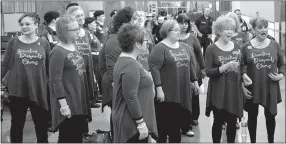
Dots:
(51, 31)
(99, 23)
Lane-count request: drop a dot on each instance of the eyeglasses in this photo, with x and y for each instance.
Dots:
(74, 30)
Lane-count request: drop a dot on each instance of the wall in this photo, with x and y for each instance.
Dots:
(265, 8)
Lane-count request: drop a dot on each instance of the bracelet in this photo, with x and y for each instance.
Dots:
(139, 127)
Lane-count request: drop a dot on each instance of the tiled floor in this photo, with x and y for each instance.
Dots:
(202, 131)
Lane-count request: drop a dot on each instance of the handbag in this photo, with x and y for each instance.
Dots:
(99, 137)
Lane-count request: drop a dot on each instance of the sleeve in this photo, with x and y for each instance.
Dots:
(8, 58)
(156, 60)
(243, 65)
(246, 26)
(211, 71)
(57, 61)
(48, 50)
(216, 39)
(198, 22)
(193, 75)
(130, 85)
(112, 53)
(244, 38)
(198, 52)
(281, 59)
(102, 61)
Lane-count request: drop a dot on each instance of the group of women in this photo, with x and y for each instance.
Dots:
(153, 91)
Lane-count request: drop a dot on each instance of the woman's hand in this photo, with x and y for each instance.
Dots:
(247, 81)
(232, 65)
(246, 92)
(196, 88)
(160, 94)
(143, 130)
(276, 76)
(203, 73)
(65, 111)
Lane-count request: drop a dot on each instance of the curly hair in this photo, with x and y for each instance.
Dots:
(128, 35)
(235, 18)
(33, 15)
(222, 23)
(124, 15)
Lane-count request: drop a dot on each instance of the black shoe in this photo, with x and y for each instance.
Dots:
(195, 123)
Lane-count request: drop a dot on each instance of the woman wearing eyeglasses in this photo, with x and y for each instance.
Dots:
(83, 45)
(25, 65)
(172, 67)
(68, 83)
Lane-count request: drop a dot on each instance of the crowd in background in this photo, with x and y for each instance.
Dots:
(147, 69)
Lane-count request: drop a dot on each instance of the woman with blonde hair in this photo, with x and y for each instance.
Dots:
(238, 36)
(83, 45)
(67, 84)
(223, 67)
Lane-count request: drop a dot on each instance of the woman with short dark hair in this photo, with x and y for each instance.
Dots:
(133, 112)
(111, 52)
(25, 65)
(195, 46)
(265, 65)
(172, 67)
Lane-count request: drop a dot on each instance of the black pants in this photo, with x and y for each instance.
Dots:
(71, 130)
(252, 123)
(169, 118)
(18, 110)
(86, 127)
(186, 120)
(195, 107)
(221, 116)
(135, 139)
(95, 59)
(205, 42)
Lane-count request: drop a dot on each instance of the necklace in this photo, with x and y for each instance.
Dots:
(27, 40)
(258, 44)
